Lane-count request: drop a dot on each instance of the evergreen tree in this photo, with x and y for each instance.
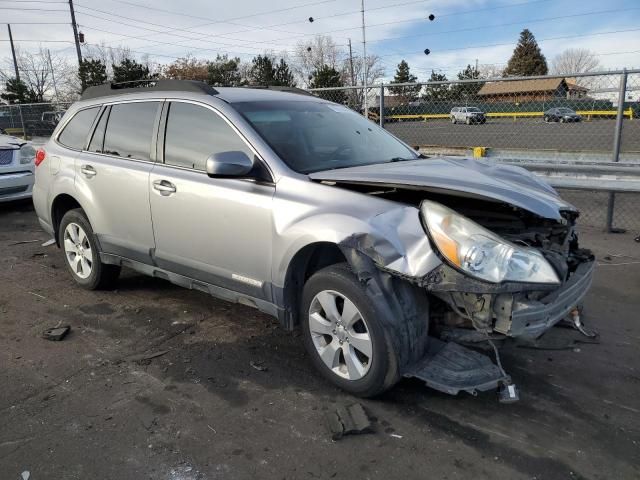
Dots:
(92, 72)
(467, 89)
(283, 75)
(404, 75)
(436, 93)
(129, 70)
(527, 59)
(262, 71)
(325, 77)
(16, 91)
(225, 72)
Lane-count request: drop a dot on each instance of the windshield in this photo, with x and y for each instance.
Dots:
(565, 110)
(473, 109)
(314, 136)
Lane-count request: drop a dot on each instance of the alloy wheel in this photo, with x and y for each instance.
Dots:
(78, 250)
(340, 335)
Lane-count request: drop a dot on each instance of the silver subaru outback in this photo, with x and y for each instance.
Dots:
(392, 264)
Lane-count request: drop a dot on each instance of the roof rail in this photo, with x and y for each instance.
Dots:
(151, 85)
(281, 89)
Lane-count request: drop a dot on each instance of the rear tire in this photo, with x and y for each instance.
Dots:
(468, 121)
(453, 120)
(82, 253)
(339, 345)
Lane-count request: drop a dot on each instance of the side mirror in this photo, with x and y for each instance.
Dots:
(228, 164)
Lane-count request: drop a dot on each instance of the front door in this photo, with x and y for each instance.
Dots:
(217, 230)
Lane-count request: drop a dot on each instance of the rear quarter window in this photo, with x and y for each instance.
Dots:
(74, 134)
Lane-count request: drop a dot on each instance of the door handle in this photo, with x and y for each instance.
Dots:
(164, 187)
(88, 171)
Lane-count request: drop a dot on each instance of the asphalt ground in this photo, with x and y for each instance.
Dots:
(530, 134)
(233, 396)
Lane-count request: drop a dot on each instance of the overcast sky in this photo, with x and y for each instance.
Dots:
(463, 31)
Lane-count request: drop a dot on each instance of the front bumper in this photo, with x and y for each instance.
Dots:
(15, 185)
(513, 309)
(532, 319)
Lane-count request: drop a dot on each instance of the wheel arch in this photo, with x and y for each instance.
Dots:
(304, 263)
(60, 205)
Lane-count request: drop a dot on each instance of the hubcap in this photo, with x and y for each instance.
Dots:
(340, 335)
(78, 250)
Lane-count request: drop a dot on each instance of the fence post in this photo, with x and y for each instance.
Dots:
(617, 138)
(381, 119)
(24, 130)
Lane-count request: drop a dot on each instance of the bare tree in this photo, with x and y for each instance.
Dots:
(312, 55)
(108, 55)
(490, 70)
(375, 71)
(47, 79)
(575, 60)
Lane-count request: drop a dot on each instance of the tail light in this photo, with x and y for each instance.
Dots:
(40, 156)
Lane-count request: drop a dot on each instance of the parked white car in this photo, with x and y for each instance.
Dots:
(16, 168)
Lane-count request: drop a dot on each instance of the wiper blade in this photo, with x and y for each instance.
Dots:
(404, 159)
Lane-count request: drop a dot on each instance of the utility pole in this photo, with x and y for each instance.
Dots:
(365, 64)
(13, 52)
(75, 32)
(352, 92)
(53, 76)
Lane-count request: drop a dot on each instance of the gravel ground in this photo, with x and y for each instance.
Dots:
(596, 135)
(87, 408)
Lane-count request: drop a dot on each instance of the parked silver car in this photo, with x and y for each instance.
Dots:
(16, 168)
(467, 115)
(311, 213)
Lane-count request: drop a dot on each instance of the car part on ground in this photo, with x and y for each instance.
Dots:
(321, 219)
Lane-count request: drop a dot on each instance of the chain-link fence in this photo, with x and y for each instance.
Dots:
(31, 120)
(591, 117)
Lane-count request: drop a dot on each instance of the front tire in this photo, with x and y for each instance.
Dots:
(344, 335)
(453, 120)
(82, 253)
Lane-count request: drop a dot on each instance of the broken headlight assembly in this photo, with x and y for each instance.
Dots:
(481, 253)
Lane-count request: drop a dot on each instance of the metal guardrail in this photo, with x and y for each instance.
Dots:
(592, 176)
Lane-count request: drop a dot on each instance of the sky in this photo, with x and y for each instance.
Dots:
(463, 30)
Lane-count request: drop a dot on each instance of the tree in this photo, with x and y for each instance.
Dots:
(92, 72)
(264, 72)
(16, 91)
(37, 74)
(325, 77)
(225, 72)
(464, 90)
(129, 70)
(314, 54)
(527, 59)
(283, 75)
(374, 72)
(575, 60)
(187, 68)
(404, 75)
(438, 92)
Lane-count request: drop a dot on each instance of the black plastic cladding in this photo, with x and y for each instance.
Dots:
(108, 89)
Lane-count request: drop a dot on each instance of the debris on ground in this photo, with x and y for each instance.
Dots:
(258, 366)
(22, 242)
(56, 333)
(25, 475)
(147, 356)
(348, 420)
(49, 242)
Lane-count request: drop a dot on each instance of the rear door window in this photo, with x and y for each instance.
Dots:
(74, 135)
(129, 130)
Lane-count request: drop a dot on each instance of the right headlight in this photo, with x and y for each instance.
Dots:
(481, 253)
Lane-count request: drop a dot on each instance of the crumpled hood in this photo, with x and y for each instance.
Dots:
(7, 141)
(468, 177)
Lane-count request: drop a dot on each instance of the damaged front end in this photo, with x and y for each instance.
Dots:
(540, 277)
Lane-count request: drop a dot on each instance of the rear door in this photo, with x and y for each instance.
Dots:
(217, 230)
(113, 174)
